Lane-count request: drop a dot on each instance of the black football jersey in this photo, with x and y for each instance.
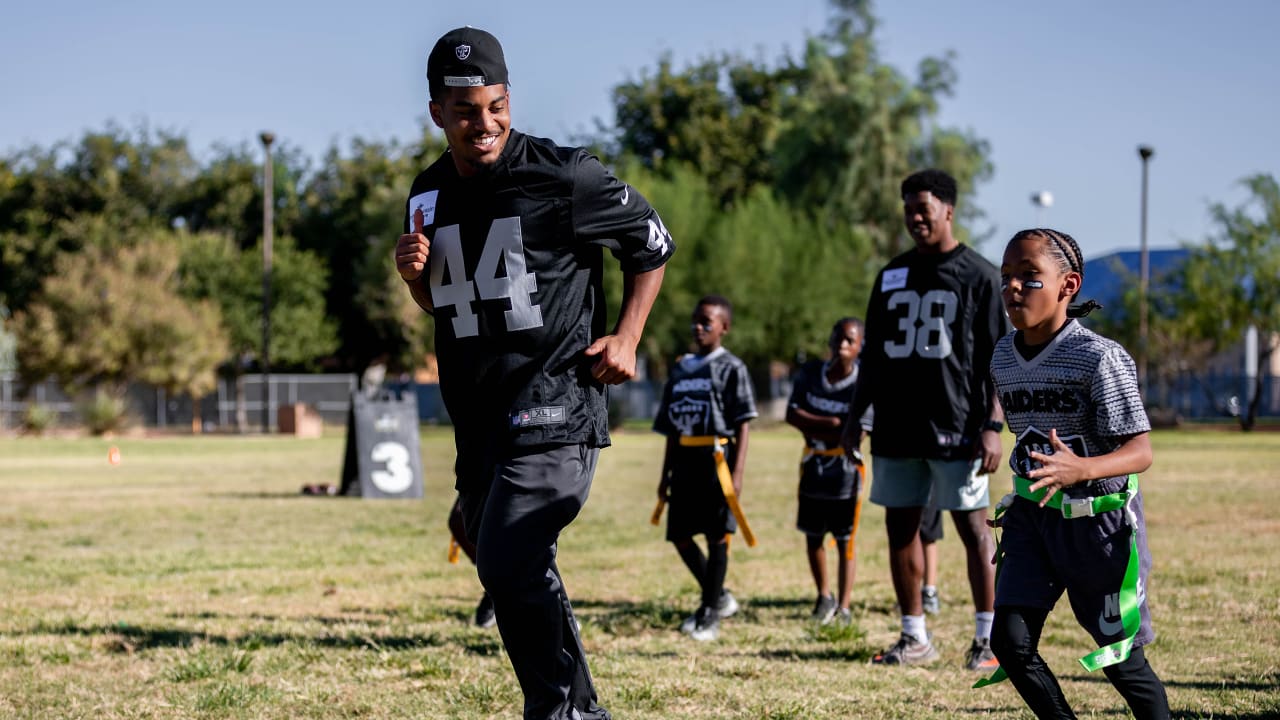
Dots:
(514, 275)
(706, 395)
(813, 393)
(932, 323)
(825, 476)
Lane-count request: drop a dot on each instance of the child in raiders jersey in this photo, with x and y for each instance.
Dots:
(830, 483)
(707, 401)
(1075, 521)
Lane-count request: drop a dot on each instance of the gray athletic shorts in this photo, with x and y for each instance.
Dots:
(908, 482)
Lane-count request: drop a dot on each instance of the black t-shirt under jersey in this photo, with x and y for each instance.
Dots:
(515, 276)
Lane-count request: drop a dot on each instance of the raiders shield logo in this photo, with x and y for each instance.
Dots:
(462, 51)
(1034, 439)
(689, 415)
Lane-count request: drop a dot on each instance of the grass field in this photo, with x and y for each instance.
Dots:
(193, 580)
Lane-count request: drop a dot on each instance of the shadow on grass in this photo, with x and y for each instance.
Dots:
(1269, 684)
(861, 654)
(136, 638)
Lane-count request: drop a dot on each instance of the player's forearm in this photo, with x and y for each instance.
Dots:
(996, 413)
(808, 422)
(1134, 456)
(421, 294)
(740, 461)
(639, 290)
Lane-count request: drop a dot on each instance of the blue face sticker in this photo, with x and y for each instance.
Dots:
(1026, 285)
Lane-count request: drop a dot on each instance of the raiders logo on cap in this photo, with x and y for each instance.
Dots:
(465, 57)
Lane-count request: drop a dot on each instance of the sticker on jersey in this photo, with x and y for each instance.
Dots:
(553, 415)
(689, 415)
(422, 209)
(894, 279)
(1035, 440)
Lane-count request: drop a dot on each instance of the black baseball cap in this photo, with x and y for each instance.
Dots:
(465, 57)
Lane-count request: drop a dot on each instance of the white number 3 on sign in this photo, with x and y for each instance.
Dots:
(504, 243)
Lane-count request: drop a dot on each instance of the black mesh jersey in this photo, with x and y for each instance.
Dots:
(824, 476)
(706, 395)
(932, 323)
(515, 276)
(1082, 385)
(813, 393)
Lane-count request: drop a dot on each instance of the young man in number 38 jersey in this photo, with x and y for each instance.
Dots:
(503, 244)
(932, 323)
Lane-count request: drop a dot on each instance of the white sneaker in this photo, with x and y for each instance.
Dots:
(728, 605)
(707, 627)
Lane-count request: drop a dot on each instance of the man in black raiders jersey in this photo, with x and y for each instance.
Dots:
(503, 244)
(932, 322)
(707, 402)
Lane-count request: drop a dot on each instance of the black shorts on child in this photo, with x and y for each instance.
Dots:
(695, 500)
(819, 516)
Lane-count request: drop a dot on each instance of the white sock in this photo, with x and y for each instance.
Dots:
(982, 625)
(930, 589)
(913, 625)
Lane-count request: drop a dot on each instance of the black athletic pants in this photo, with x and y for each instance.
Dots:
(515, 522)
(1015, 639)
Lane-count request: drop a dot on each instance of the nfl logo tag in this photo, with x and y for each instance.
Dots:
(462, 51)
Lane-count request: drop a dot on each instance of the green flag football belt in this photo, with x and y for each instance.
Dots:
(1071, 509)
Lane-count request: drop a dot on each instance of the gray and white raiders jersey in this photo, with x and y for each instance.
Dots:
(1083, 385)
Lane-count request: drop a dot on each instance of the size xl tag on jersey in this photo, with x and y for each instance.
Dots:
(424, 203)
(894, 279)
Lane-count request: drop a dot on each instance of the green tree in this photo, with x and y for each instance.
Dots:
(215, 270)
(353, 213)
(1232, 282)
(834, 131)
(107, 317)
(718, 113)
(119, 181)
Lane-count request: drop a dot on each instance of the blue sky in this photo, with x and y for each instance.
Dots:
(1064, 92)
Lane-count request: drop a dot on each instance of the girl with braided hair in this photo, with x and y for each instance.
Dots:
(1075, 520)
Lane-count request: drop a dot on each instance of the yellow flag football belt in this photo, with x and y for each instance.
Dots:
(726, 480)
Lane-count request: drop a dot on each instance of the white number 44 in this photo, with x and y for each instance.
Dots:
(503, 243)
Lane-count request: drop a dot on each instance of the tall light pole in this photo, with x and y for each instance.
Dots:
(1144, 275)
(1043, 200)
(268, 202)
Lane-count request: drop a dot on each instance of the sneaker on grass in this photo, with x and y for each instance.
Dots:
(907, 651)
(980, 657)
(726, 608)
(824, 609)
(484, 612)
(929, 600)
(707, 625)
